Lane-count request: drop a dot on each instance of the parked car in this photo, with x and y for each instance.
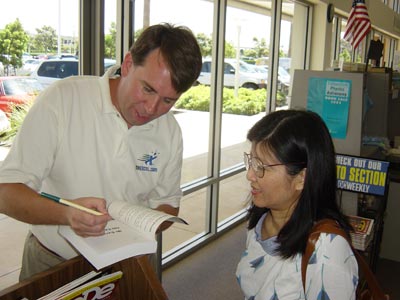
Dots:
(51, 70)
(17, 90)
(284, 62)
(108, 63)
(248, 76)
(26, 56)
(283, 77)
(28, 67)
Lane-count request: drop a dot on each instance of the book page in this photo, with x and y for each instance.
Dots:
(119, 242)
(143, 218)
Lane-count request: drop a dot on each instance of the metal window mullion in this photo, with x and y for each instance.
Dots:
(336, 41)
(128, 25)
(98, 64)
(307, 58)
(91, 38)
(392, 50)
(217, 68)
(276, 16)
(125, 28)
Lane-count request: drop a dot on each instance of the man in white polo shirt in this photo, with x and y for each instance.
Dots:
(97, 139)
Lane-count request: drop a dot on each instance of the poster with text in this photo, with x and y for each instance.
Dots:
(361, 175)
(330, 98)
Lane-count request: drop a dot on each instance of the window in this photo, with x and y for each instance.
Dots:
(214, 184)
(238, 48)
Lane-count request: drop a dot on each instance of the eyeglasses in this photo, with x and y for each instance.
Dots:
(258, 166)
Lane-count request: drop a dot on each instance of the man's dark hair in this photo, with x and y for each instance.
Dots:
(179, 48)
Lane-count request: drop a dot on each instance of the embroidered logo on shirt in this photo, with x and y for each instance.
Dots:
(148, 160)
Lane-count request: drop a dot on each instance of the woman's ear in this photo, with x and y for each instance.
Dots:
(300, 179)
(126, 64)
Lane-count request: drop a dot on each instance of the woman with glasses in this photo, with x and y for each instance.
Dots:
(292, 174)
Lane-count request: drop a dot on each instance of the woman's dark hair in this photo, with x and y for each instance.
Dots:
(300, 136)
(179, 48)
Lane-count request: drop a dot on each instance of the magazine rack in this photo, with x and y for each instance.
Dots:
(369, 179)
(139, 281)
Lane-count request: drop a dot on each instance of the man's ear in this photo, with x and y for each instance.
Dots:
(300, 179)
(126, 64)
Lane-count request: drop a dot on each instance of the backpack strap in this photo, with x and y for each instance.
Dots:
(330, 226)
(326, 226)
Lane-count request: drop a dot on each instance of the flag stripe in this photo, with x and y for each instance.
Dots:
(358, 23)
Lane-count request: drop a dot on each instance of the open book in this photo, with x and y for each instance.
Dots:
(130, 233)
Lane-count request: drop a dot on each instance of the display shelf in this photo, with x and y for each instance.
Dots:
(373, 207)
(372, 115)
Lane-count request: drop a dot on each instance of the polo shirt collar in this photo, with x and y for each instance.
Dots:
(107, 105)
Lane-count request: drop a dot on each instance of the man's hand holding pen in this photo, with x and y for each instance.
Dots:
(87, 224)
(87, 216)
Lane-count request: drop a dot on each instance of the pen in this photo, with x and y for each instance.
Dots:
(71, 204)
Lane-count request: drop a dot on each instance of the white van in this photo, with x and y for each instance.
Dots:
(248, 76)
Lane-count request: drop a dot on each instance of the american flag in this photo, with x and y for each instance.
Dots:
(358, 24)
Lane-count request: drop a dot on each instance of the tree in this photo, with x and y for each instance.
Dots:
(45, 39)
(249, 52)
(230, 50)
(261, 47)
(13, 41)
(205, 44)
(110, 42)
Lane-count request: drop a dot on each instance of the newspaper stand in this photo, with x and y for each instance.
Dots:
(369, 178)
(138, 282)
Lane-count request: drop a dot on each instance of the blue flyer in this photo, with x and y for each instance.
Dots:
(330, 98)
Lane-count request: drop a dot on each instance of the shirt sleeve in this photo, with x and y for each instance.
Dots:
(32, 154)
(332, 271)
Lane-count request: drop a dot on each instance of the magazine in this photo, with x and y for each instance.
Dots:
(92, 286)
(363, 231)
